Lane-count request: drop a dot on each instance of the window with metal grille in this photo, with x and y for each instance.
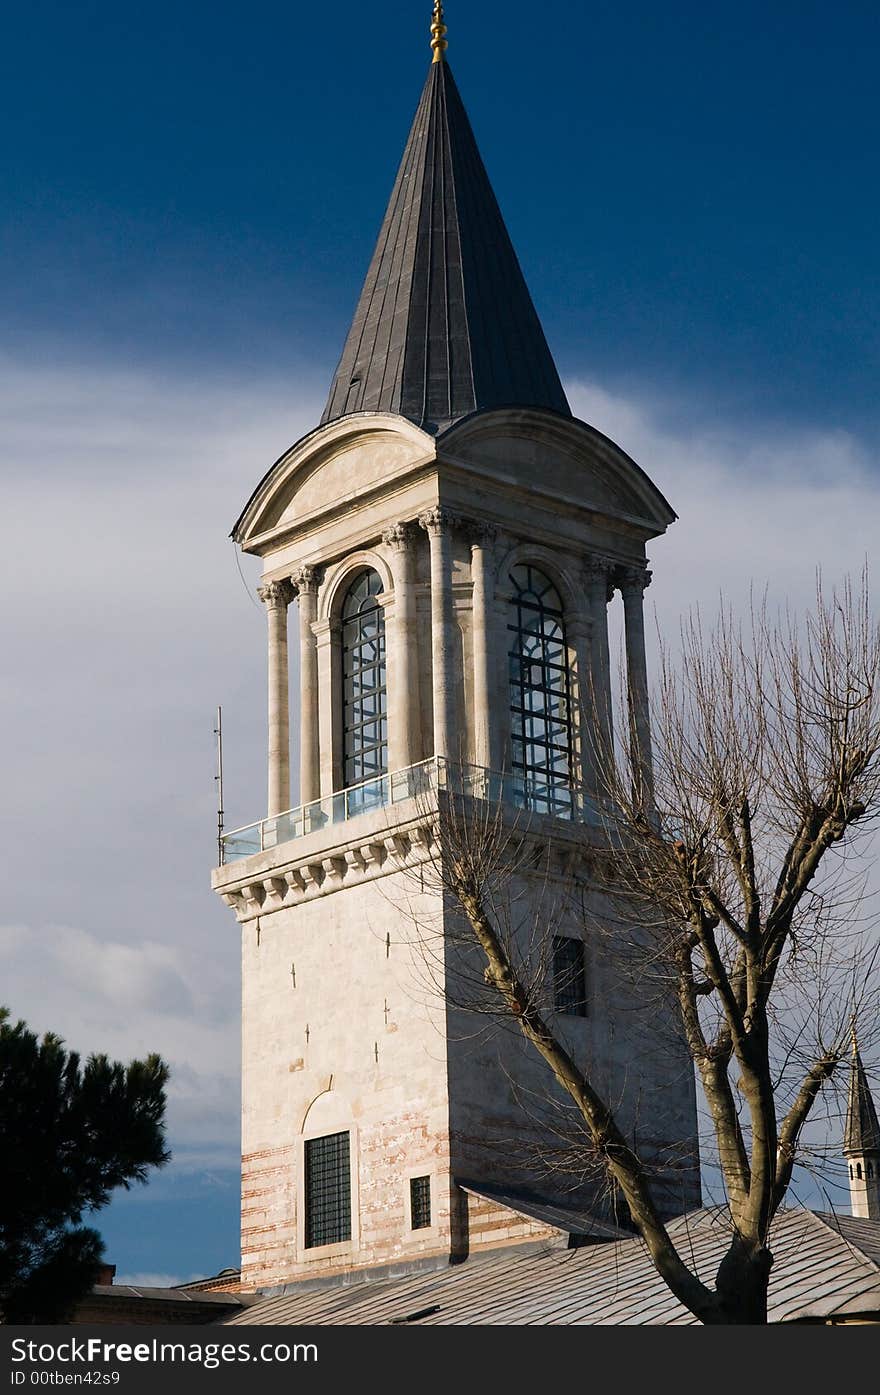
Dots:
(540, 693)
(420, 1202)
(328, 1190)
(364, 700)
(569, 976)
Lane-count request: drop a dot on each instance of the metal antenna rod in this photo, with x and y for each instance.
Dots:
(218, 732)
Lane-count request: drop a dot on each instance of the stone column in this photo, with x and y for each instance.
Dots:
(305, 583)
(438, 523)
(633, 582)
(596, 694)
(499, 690)
(578, 635)
(276, 596)
(403, 673)
(329, 666)
(483, 537)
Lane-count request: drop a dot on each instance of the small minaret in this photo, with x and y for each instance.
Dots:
(861, 1144)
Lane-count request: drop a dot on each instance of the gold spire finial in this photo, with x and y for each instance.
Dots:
(438, 33)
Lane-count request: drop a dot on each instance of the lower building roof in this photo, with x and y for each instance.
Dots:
(826, 1268)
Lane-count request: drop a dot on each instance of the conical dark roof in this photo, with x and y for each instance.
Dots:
(445, 325)
(862, 1128)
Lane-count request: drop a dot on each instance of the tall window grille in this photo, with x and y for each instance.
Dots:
(569, 976)
(328, 1190)
(540, 693)
(365, 700)
(420, 1202)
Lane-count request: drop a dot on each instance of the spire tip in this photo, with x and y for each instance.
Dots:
(438, 33)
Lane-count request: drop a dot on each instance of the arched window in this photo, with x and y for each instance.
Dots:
(364, 702)
(540, 693)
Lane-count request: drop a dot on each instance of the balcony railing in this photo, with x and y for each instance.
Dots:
(562, 801)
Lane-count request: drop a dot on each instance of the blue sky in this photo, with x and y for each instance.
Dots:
(190, 198)
(692, 189)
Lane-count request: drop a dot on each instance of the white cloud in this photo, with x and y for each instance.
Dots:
(125, 622)
(130, 999)
(757, 503)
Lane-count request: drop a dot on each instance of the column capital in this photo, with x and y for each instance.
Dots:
(306, 579)
(276, 594)
(480, 532)
(437, 521)
(632, 580)
(599, 573)
(400, 536)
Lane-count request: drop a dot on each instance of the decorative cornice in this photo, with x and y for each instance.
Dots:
(319, 874)
(385, 851)
(276, 594)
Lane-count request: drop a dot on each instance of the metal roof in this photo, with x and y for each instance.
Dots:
(124, 1303)
(583, 1224)
(862, 1134)
(824, 1267)
(445, 325)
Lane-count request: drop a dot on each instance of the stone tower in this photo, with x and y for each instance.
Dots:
(861, 1144)
(453, 537)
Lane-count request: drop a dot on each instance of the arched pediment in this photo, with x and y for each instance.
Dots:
(328, 1112)
(556, 454)
(329, 467)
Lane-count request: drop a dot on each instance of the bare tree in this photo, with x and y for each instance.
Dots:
(735, 890)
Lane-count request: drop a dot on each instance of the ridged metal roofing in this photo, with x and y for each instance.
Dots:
(824, 1267)
(445, 325)
(862, 1133)
(580, 1223)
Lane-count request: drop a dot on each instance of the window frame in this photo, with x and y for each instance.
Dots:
(424, 1233)
(541, 714)
(363, 755)
(421, 1178)
(332, 1120)
(345, 1191)
(567, 1003)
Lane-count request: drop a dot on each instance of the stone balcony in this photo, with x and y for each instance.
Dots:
(566, 801)
(334, 842)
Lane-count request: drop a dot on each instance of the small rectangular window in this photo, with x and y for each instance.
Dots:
(569, 976)
(328, 1190)
(420, 1202)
